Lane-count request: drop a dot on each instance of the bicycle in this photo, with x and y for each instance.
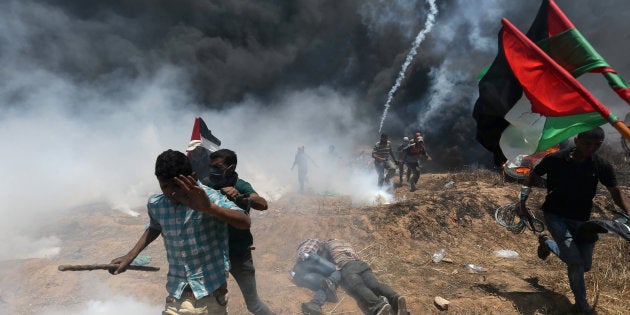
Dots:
(506, 216)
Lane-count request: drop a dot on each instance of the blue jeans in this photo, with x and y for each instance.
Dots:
(578, 256)
(310, 272)
(245, 275)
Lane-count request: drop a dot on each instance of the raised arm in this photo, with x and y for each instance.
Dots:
(198, 200)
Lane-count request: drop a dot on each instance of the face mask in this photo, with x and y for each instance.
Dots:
(220, 178)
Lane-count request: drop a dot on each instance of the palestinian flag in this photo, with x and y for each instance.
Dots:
(560, 106)
(202, 144)
(202, 136)
(499, 90)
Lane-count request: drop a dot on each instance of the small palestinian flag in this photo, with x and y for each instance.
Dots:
(202, 144)
(202, 136)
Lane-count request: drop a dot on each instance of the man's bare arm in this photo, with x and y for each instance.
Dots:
(147, 237)
(258, 202)
(619, 198)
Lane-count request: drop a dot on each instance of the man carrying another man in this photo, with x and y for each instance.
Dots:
(412, 155)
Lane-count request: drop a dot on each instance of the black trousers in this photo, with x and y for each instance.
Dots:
(359, 281)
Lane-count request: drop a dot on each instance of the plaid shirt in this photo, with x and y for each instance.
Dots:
(308, 246)
(196, 244)
(341, 252)
(382, 150)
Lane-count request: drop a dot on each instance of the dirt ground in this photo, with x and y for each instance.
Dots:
(396, 239)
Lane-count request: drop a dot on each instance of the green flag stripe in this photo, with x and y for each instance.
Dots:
(614, 80)
(612, 118)
(558, 129)
(573, 52)
(482, 73)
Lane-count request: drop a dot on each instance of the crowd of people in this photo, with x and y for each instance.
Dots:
(203, 212)
(411, 155)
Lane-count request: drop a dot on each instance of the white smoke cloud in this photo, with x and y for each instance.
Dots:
(428, 25)
(123, 305)
(69, 141)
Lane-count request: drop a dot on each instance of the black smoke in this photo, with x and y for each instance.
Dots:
(234, 50)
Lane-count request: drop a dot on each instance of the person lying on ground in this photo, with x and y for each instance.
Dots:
(360, 282)
(316, 273)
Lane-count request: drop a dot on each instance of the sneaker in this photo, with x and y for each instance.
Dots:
(413, 187)
(310, 308)
(401, 304)
(385, 309)
(330, 289)
(543, 248)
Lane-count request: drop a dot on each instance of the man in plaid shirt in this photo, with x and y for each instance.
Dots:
(193, 221)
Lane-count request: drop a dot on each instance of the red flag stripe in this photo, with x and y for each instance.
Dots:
(550, 88)
(557, 22)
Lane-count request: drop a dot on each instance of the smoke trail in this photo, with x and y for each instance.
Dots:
(428, 25)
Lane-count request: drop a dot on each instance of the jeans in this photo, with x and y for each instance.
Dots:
(245, 275)
(578, 256)
(359, 281)
(385, 171)
(310, 272)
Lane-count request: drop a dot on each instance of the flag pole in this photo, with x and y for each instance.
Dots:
(622, 129)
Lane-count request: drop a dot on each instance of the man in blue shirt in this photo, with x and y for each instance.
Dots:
(192, 220)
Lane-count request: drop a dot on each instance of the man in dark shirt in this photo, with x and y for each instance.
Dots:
(222, 176)
(572, 177)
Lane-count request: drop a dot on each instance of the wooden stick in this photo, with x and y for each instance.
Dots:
(104, 266)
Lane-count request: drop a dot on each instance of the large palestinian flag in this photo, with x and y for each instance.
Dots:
(559, 106)
(499, 89)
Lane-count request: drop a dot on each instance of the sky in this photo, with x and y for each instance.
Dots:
(92, 91)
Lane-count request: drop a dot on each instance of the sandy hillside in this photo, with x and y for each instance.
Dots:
(396, 239)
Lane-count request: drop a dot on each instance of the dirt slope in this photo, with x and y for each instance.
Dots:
(397, 240)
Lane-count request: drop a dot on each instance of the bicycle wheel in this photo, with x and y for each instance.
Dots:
(506, 217)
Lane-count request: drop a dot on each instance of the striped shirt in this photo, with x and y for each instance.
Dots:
(382, 150)
(308, 246)
(341, 252)
(196, 244)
